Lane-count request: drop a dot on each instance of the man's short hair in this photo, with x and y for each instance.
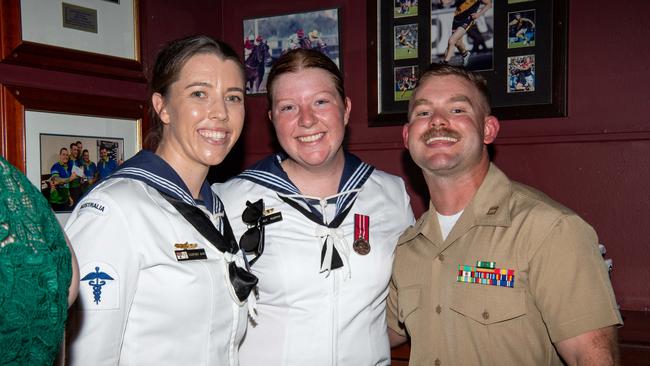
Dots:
(473, 78)
(61, 150)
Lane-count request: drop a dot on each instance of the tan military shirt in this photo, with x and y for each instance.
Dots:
(561, 287)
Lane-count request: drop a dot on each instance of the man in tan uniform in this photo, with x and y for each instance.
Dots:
(495, 272)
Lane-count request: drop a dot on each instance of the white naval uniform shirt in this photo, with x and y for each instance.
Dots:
(155, 310)
(309, 318)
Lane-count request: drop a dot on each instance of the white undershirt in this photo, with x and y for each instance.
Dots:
(447, 222)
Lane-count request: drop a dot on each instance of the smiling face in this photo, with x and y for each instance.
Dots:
(64, 156)
(309, 117)
(448, 128)
(203, 114)
(74, 151)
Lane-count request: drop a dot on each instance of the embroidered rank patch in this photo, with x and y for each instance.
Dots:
(99, 287)
(97, 207)
(486, 276)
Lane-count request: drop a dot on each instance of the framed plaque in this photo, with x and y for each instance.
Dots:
(94, 37)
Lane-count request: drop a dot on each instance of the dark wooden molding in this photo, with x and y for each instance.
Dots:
(14, 50)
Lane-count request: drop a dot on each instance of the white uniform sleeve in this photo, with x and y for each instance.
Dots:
(105, 247)
(409, 219)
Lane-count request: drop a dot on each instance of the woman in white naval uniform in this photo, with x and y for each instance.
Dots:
(159, 287)
(326, 264)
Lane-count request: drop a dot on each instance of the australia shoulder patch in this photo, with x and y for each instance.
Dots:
(99, 287)
(93, 206)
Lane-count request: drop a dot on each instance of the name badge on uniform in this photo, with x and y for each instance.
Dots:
(361, 243)
(485, 273)
(190, 254)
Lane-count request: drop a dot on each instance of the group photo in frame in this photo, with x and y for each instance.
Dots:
(85, 159)
(519, 47)
(43, 122)
(47, 133)
(267, 38)
(94, 37)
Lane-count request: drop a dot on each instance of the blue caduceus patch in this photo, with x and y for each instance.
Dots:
(99, 287)
(96, 280)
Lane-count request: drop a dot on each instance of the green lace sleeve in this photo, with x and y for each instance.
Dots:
(35, 273)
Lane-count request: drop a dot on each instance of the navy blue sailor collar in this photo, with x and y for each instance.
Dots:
(151, 169)
(268, 172)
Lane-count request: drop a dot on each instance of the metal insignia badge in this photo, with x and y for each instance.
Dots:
(361, 246)
(361, 243)
(186, 245)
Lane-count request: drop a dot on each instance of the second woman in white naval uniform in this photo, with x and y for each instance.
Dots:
(159, 287)
(325, 265)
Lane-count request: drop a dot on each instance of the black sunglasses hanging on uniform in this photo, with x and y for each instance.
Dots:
(252, 241)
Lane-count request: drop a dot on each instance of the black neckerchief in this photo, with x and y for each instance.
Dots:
(242, 281)
(151, 169)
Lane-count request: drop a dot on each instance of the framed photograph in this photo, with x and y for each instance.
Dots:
(90, 37)
(265, 39)
(405, 42)
(84, 160)
(44, 131)
(406, 8)
(520, 47)
(521, 74)
(521, 28)
(405, 80)
(475, 48)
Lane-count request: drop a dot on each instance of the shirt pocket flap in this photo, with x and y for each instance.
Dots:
(488, 304)
(408, 300)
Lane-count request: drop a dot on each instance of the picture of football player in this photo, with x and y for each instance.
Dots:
(405, 8)
(405, 82)
(521, 74)
(521, 29)
(467, 11)
(406, 38)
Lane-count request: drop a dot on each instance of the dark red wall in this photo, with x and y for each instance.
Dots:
(593, 161)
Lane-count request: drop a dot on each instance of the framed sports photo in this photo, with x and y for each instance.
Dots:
(406, 8)
(38, 124)
(520, 47)
(60, 157)
(405, 42)
(83, 36)
(267, 38)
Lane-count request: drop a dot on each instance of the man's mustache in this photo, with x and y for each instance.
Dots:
(439, 132)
